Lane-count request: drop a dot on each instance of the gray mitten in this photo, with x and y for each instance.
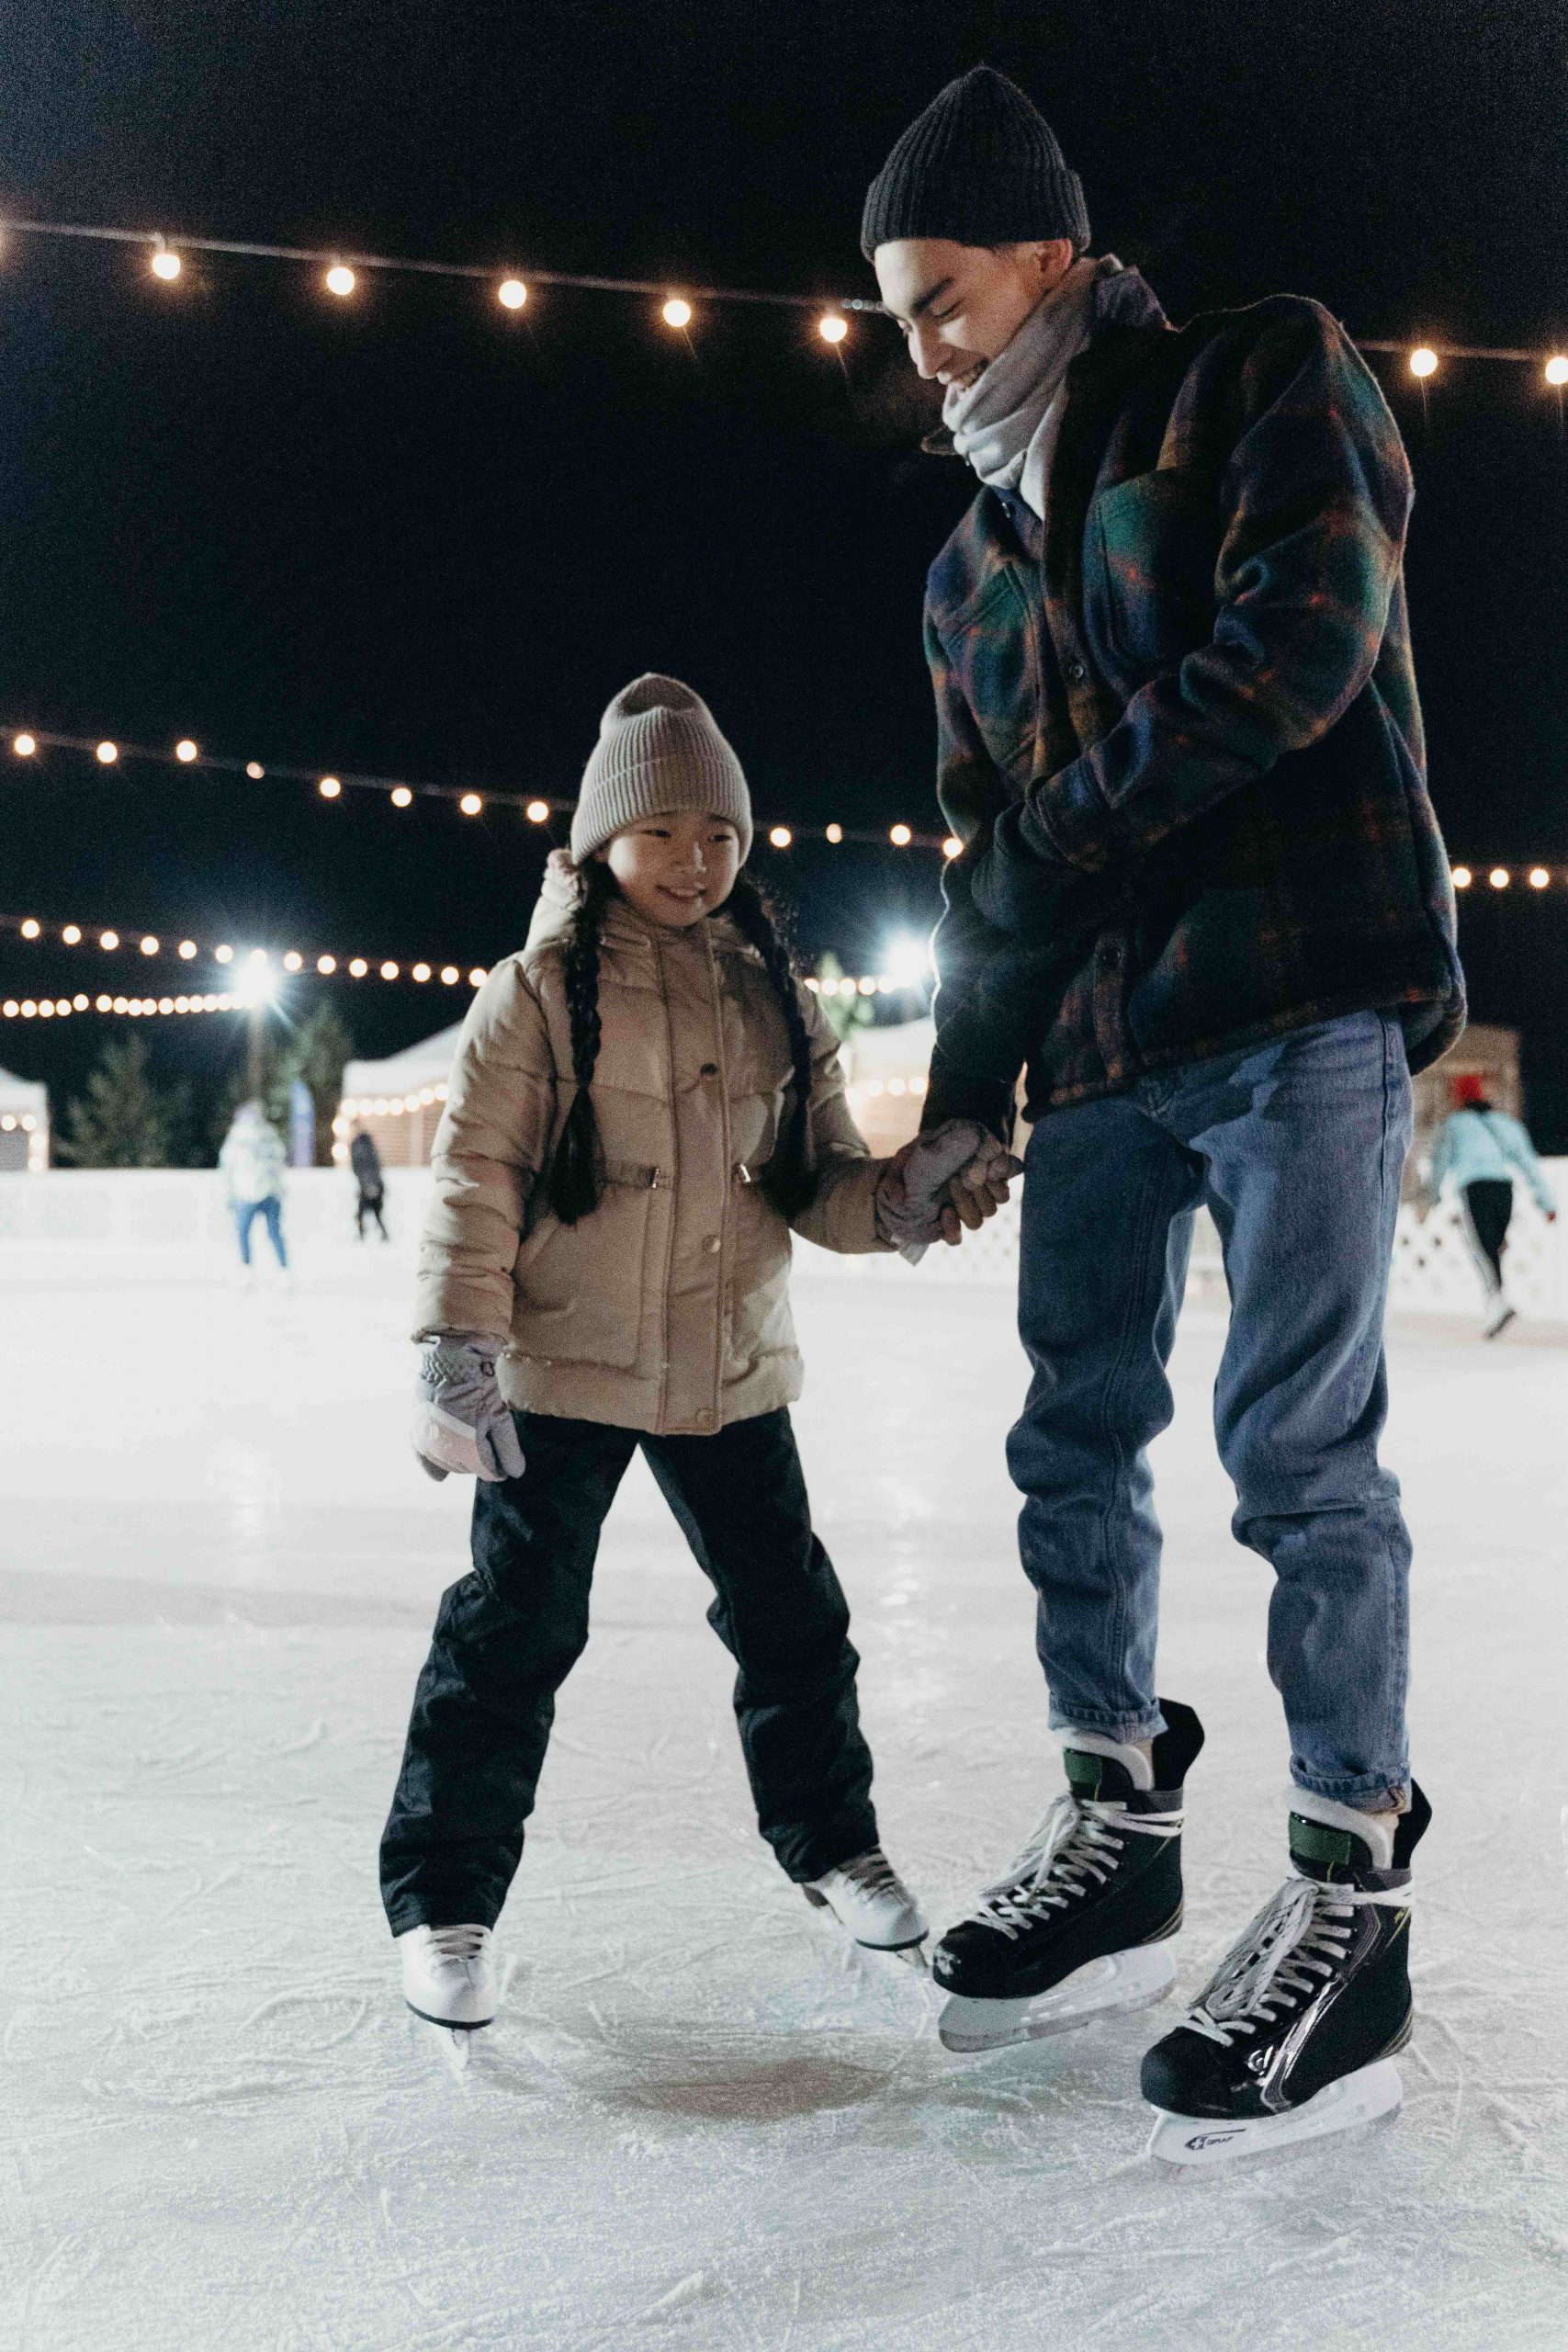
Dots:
(460, 1419)
(914, 1221)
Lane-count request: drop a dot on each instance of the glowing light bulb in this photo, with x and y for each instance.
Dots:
(402, 798)
(1424, 362)
(677, 312)
(79, 1003)
(23, 746)
(900, 836)
(108, 939)
(149, 946)
(339, 280)
(1539, 878)
(107, 753)
(72, 935)
(952, 847)
(1462, 878)
(537, 813)
(422, 971)
(255, 770)
(835, 833)
(471, 804)
(388, 971)
(450, 976)
(186, 950)
(329, 788)
(326, 965)
(358, 967)
(30, 929)
(185, 750)
(781, 836)
(165, 264)
(831, 327)
(293, 961)
(1557, 369)
(1499, 877)
(222, 954)
(478, 976)
(102, 1004)
(511, 293)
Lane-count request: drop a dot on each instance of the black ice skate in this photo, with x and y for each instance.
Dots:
(1080, 1927)
(1295, 2034)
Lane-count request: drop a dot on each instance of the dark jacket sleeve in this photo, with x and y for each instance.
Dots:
(1316, 497)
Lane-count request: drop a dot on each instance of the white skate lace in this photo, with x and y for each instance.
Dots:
(1077, 1839)
(458, 1943)
(1294, 1944)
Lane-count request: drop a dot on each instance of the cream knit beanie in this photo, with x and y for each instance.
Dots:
(660, 749)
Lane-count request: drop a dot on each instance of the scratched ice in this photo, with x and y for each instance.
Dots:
(698, 2123)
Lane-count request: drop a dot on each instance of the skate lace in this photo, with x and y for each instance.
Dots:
(458, 1943)
(871, 1872)
(1077, 1840)
(1296, 1942)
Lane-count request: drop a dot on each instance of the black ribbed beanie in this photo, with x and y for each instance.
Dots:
(982, 166)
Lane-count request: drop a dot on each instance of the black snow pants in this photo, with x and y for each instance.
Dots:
(508, 1635)
(1488, 1212)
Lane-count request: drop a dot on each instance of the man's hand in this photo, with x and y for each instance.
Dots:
(461, 1421)
(952, 1178)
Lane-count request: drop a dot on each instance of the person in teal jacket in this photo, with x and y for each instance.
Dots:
(1477, 1153)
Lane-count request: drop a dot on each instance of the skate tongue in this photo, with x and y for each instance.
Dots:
(1104, 1773)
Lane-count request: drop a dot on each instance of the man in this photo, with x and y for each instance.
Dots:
(1204, 902)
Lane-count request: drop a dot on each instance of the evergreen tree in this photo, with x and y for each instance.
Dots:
(124, 1119)
(317, 1053)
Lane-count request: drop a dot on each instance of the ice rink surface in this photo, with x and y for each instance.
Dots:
(698, 2123)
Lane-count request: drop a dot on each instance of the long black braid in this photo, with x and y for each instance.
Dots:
(789, 1178)
(577, 1171)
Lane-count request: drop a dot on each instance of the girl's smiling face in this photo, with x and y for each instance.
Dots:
(675, 869)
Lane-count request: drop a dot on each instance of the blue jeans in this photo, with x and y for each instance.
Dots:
(1295, 1147)
(245, 1216)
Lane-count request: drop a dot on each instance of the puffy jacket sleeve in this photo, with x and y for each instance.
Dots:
(1317, 499)
(842, 1214)
(1516, 1146)
(489, 1148)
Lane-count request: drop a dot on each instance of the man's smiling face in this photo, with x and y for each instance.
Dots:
(960, 306)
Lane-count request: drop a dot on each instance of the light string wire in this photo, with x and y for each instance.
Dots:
(330, 784)
(340, 265)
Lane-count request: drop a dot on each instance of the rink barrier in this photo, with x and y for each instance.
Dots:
(183, 1211)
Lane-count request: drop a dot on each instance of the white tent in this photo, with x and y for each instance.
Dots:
(24, 1125)
(398, 1101)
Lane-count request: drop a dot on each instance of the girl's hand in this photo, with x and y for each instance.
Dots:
(461, 1421)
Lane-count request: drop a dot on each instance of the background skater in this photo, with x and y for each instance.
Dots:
(1478, 1152)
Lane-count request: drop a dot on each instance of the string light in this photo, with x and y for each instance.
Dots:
(149, 946)
(388, 971)
(835, 833)
(537, 813)
(328, 787)
(478, 976)
(24, 747)
(1424, 361)
(339, 280)
(900, 836)
(832, 327)
(186, 950)
(402, 798)
(780, 836)
(72, 935)
(185, 752)
(107, 753)
(165, 264)
(951, 847)
(1556, 369)
(108, 939)
(677, 312)
(449, 975)
(1462, 878)
(1539, 878)
(1499, 877)
(326, 965)
(358, 968)
(223, 954)
(511, 293)
(30, 929)
(471, 804)
(255, 770)
(420, 972)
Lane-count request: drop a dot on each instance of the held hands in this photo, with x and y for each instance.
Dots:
(461, 1421)
(942, 1184)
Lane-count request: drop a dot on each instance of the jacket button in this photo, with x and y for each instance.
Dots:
(1076, 672)
(705, 1416)
(713, 1245)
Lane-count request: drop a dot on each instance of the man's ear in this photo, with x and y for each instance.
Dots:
(1053, 258)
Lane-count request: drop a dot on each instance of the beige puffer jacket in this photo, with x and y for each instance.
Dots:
(667, 1309)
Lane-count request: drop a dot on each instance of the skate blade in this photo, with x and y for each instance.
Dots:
(1195, 2147)
(1114, 1987)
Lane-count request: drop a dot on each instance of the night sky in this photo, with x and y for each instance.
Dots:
(411, 536)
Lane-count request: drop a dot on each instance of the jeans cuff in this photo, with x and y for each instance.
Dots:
(1131, 1730)
(1368, 1791)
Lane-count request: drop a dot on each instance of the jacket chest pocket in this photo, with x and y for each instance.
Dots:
(581, 1288)
(994, 649)
(1150, 548)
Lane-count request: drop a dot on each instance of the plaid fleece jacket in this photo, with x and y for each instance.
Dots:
(1177, 726)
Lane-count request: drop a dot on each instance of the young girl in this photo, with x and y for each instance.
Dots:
(644, 1102)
